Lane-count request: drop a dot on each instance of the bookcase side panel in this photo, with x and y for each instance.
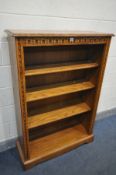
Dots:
(18, 94)
(99, 83)
(15, 82)
(22, 92)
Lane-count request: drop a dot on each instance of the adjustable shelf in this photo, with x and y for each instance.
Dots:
(56, 90)
(55, 115)
(55, 68)
(57, 83)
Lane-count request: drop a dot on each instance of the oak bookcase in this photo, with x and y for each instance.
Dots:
(57, 80)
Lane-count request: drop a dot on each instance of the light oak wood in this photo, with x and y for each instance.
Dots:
(58, 90)
(84, 138)
(53, 127)
(36, 33)
(52, 116)
(58, 68)
(58, 77)
(56, 142)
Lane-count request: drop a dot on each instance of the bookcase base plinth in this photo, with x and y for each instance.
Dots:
(33, 161)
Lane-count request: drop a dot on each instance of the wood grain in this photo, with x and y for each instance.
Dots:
(56, 142)
(58, 68)
(36, 158)
(55, 115)
(56, 91)
(35, 33)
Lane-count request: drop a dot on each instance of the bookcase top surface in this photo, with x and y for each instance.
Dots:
(44, 33)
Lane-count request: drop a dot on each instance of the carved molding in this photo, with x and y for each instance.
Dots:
(36, 41)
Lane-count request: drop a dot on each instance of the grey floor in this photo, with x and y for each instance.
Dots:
(96, 158)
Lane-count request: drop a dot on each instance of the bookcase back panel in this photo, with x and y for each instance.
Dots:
(43, 106)
(57, 78)
(60, 54)
(57, 126)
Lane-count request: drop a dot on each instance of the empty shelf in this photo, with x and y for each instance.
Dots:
(41, 70)
(54, 91)
(59, 142)
(58, 114)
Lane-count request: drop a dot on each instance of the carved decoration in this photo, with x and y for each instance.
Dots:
(36, 41)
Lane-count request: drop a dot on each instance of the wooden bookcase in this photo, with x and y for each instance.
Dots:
(57, 80)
